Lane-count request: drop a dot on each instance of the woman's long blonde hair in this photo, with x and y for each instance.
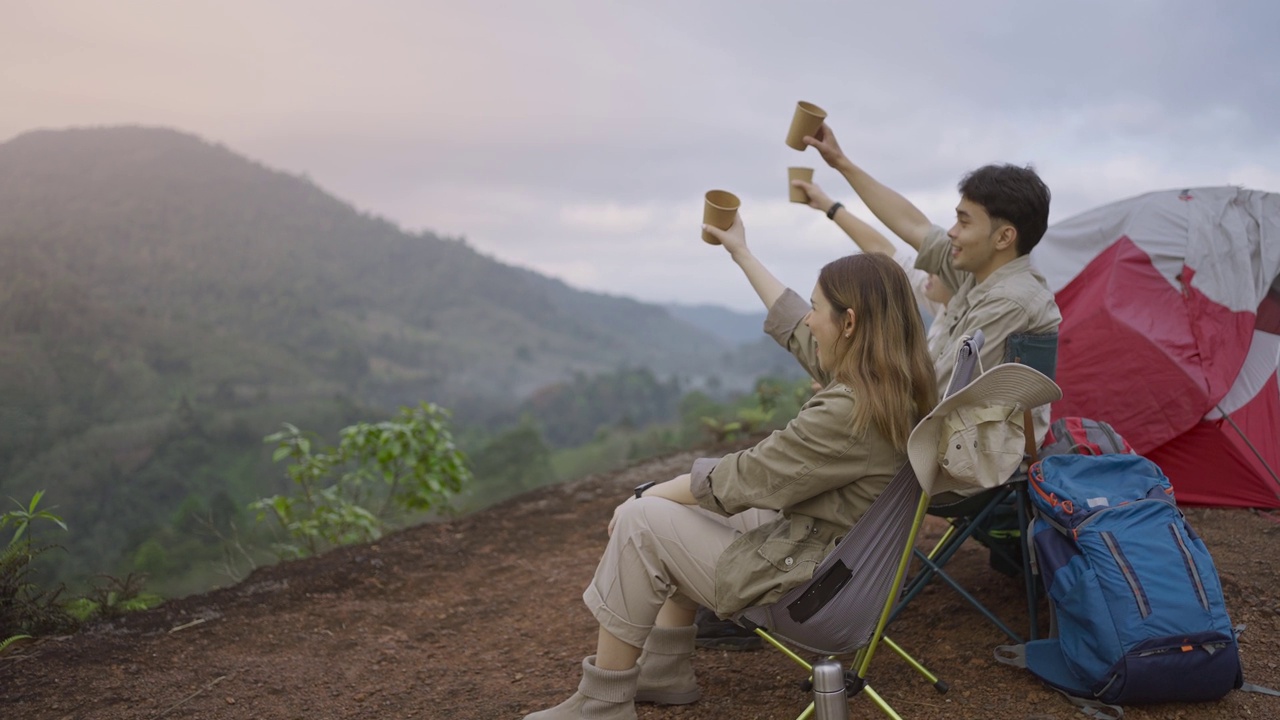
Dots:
(886, 361)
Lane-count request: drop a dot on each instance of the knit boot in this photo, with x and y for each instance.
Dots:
(666, 673)
(602, 695)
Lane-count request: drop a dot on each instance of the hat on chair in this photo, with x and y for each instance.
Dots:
(973, 439)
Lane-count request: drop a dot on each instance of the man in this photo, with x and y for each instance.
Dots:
(984, 258)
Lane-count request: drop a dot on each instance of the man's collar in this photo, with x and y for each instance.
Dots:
(1019, 264)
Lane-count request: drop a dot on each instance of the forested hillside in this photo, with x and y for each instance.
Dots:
(165, 303)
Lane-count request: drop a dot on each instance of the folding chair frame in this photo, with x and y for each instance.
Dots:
(856, 676)
(964, 525)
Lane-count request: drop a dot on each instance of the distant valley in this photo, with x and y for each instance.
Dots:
(165, 303)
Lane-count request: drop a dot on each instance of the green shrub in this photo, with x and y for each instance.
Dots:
(378, 474)
(112, 597)
(26, 609)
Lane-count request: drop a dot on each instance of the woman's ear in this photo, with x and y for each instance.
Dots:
(850, 321)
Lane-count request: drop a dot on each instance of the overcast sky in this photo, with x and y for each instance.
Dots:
(577, 138)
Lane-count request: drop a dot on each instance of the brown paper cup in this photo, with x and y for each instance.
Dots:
(799, 173)
(720, 208)
(806, 121)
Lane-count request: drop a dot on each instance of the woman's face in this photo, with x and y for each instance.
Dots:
(827, 329)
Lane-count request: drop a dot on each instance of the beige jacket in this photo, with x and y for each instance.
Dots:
(820, 476)
(1014, 299)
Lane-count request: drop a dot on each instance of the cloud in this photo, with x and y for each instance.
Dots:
(1255, 177)
(607, 218)
(578, 137)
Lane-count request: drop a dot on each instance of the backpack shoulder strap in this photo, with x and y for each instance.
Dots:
(1029, 432)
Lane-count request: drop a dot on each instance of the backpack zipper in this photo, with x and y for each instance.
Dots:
(1144, 607)
(1127, 503)
(1209, 647)
(1035, 478)
(1192, 570)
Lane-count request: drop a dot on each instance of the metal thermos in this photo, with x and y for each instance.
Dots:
(829, 699)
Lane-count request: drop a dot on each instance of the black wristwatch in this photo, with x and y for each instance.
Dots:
(644, 486)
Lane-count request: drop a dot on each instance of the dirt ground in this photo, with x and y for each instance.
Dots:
(482, 618)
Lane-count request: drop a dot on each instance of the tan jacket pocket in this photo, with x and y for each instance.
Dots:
(789, 555)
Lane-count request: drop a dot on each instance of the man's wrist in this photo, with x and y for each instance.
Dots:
(639, 491)
(835, 208)
(843, 165)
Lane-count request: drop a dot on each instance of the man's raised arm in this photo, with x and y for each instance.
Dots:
(895, 211)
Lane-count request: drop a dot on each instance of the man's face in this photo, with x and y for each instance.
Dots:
(973, 239)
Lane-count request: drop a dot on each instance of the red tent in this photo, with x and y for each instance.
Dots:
(1171, 332)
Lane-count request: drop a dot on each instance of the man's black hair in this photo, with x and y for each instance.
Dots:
(1014, 195)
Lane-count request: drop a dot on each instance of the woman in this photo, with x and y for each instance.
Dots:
(744, 529)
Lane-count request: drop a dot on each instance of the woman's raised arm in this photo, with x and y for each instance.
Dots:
(734, 240)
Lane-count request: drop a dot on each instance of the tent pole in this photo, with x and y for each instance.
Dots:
(1249, 442)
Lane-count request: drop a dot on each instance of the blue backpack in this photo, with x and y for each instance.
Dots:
(1138, 606)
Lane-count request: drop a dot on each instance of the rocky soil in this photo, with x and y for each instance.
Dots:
(482, 618)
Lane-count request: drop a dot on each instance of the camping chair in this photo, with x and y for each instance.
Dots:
(844, 609)
(969, 516)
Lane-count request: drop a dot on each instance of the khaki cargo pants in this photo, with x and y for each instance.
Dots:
(661, 549)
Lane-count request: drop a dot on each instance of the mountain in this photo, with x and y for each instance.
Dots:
(165, 302)
(732, 326)
(159, 228)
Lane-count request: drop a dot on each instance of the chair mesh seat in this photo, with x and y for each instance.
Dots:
(872, 551)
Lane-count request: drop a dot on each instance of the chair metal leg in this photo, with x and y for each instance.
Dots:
(875, 698)
(932, 564)
(857, 673)
(1023, 501)
(977, 605)
(880, 703)
(884, 706)
(943, 541)
(940, 556)
(916, 584)
(919, 667)
(764, 635)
